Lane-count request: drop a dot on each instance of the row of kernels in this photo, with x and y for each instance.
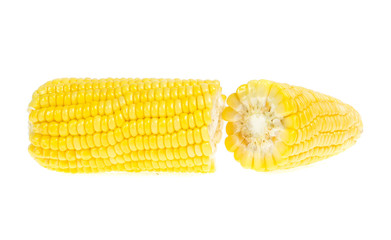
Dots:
(175, 140)
(180, 138)
(74, 112)
(325, 151)
(330, 108)
(323, 140)
(326, 139)
(99, 91)
(338, 137)
(318, 96)
(71, 97)
(67, 85)
(188, 152)
(302, 147)
(188, 165)
(327, 123)
(147, 156)
(39, 152)
(131, 111)
(116, 81)
(305, 117)
(287, 93)
(167, 108)
(126, 86)
(111, 152)
(321, 124)
(98, 165)
(306, 133)
(313, 108)
(318, 151)
(149, 126)
(160, 94)
(300, 157)
(336, 122)
(301, 103)
(304, 98)
(81, 126)
(74, 98)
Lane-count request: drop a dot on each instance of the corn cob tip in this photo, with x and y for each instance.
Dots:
(277, 126)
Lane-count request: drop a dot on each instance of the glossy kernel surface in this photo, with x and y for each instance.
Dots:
(99, 125)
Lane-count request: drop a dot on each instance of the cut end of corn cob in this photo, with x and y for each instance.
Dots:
(99, 125)
(277, 126)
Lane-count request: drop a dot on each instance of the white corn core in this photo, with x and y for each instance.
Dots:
(257, 124)
(260, 124)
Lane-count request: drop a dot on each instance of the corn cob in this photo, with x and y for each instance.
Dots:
(277, 126)
(98, 125)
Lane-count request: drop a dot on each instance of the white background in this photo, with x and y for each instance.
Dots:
(341, 48)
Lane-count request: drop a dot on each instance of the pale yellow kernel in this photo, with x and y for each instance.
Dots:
(198, 150)
(53, 129)
(182, 138)
(170, 125)
(76, 142)
(72, 127)
(198, 118)
(208, 100)
(207, 116)
(190, 151)
(155, 109)
(174, 140)
(197, 135)
(178, 106)
(97, 124)
(160, 141)
(111, 138)
(104, 139)
(155, 125)
(89, 125)
(104, 123)
(132, 144)
(147, 109)
(184, 121)
(162, 109)
(146, 142)
(83, 142)
(176, 123)
(170, 108)
(205, 134)
(133, 128)
(183, 153)
(139, 110)
(97, 139)
(162, 126)
(111, 122)
(80, 127)
(132, 111)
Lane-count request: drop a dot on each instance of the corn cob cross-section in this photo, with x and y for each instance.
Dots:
(277, 126)
(98, 125)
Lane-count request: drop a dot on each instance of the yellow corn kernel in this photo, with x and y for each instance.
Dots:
(277, 126)
(98, 125)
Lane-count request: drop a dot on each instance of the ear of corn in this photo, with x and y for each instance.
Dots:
(89, 125)
(277, 126)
